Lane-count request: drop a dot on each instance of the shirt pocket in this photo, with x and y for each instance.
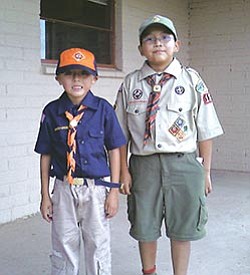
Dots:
(183, 110)
(136, 115)
(137, 110)
(95, 142)
(96, 134)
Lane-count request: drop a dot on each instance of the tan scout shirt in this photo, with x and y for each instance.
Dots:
(186, 113)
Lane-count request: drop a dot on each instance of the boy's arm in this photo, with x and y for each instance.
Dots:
(205, 150)
(46, 204)
(111, 204)
(125, 178)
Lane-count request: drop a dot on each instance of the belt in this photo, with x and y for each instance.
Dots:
(83, 181)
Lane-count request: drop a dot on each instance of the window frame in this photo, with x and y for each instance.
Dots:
(112, 38)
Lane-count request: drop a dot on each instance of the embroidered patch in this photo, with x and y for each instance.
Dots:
(174, 130)
(180, 135)
(137, 94)
(179, 90)
(207, 98)
(179, 129)
(61, 128)
(200, 87)
(156, 19)
(78, 56)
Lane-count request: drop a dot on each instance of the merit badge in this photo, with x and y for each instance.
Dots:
(137, 94)
(179, 90)
(179, 129)
(180, 135)
(207, 98)
(174, 130)
(179, 121)
(200, 87)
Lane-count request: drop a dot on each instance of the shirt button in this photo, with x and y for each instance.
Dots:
(180, 109)
(85, 162)
(82, 141)
(159, 145)
(136, 111)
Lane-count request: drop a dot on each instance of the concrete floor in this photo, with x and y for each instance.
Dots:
(25, 243)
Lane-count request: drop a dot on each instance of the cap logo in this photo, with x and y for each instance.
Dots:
(156, 19)
(78, 56)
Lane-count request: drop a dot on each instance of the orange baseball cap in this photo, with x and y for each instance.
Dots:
(76, 58)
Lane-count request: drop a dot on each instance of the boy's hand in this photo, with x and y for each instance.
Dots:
(208, 183)
(111, 203)
(126, 181)
(46, 208)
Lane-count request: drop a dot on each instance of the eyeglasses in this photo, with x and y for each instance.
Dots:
(164, 38)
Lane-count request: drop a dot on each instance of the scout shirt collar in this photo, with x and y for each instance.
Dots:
(65, 104)
(174, 69)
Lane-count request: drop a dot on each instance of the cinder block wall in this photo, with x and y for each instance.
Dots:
(219, 49)
(20, 87)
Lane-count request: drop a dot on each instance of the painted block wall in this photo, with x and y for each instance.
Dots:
(219, 49)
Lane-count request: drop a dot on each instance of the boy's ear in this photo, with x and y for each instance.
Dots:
(140, 50)
(177, 46)
(57, 78)
(94, 79)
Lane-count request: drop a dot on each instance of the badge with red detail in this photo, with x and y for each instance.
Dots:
(207, 98)
(179, 129)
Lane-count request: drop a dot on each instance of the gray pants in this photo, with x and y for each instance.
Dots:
(78, 212)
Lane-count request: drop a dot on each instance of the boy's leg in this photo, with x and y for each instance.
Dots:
(148, 251)
(95, 230)
(180, 252)
(65, 232)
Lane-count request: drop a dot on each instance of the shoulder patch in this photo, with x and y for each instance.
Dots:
(200, 87)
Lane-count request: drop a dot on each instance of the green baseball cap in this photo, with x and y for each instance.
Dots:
(158, 19)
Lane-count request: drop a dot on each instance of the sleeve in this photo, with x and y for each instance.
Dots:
(208, 124)
(120, 109)
(43, 143)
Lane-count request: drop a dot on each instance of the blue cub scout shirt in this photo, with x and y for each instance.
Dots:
(97, 131)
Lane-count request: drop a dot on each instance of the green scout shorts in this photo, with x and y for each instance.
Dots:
(169, 187)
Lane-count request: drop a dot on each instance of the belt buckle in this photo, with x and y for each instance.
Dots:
(78, 181)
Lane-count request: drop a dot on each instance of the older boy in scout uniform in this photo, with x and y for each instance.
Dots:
(76, 131)
(169, 119)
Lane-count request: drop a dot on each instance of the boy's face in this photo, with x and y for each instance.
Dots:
(76, 83)
(159, 47)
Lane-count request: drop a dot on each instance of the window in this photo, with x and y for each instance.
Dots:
(77, 23)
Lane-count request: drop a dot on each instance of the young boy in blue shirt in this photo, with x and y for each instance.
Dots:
(77, 131)
(168, 117)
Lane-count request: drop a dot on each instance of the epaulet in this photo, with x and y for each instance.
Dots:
(191, 70)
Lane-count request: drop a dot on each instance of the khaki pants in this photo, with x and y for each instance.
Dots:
(78, 212)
